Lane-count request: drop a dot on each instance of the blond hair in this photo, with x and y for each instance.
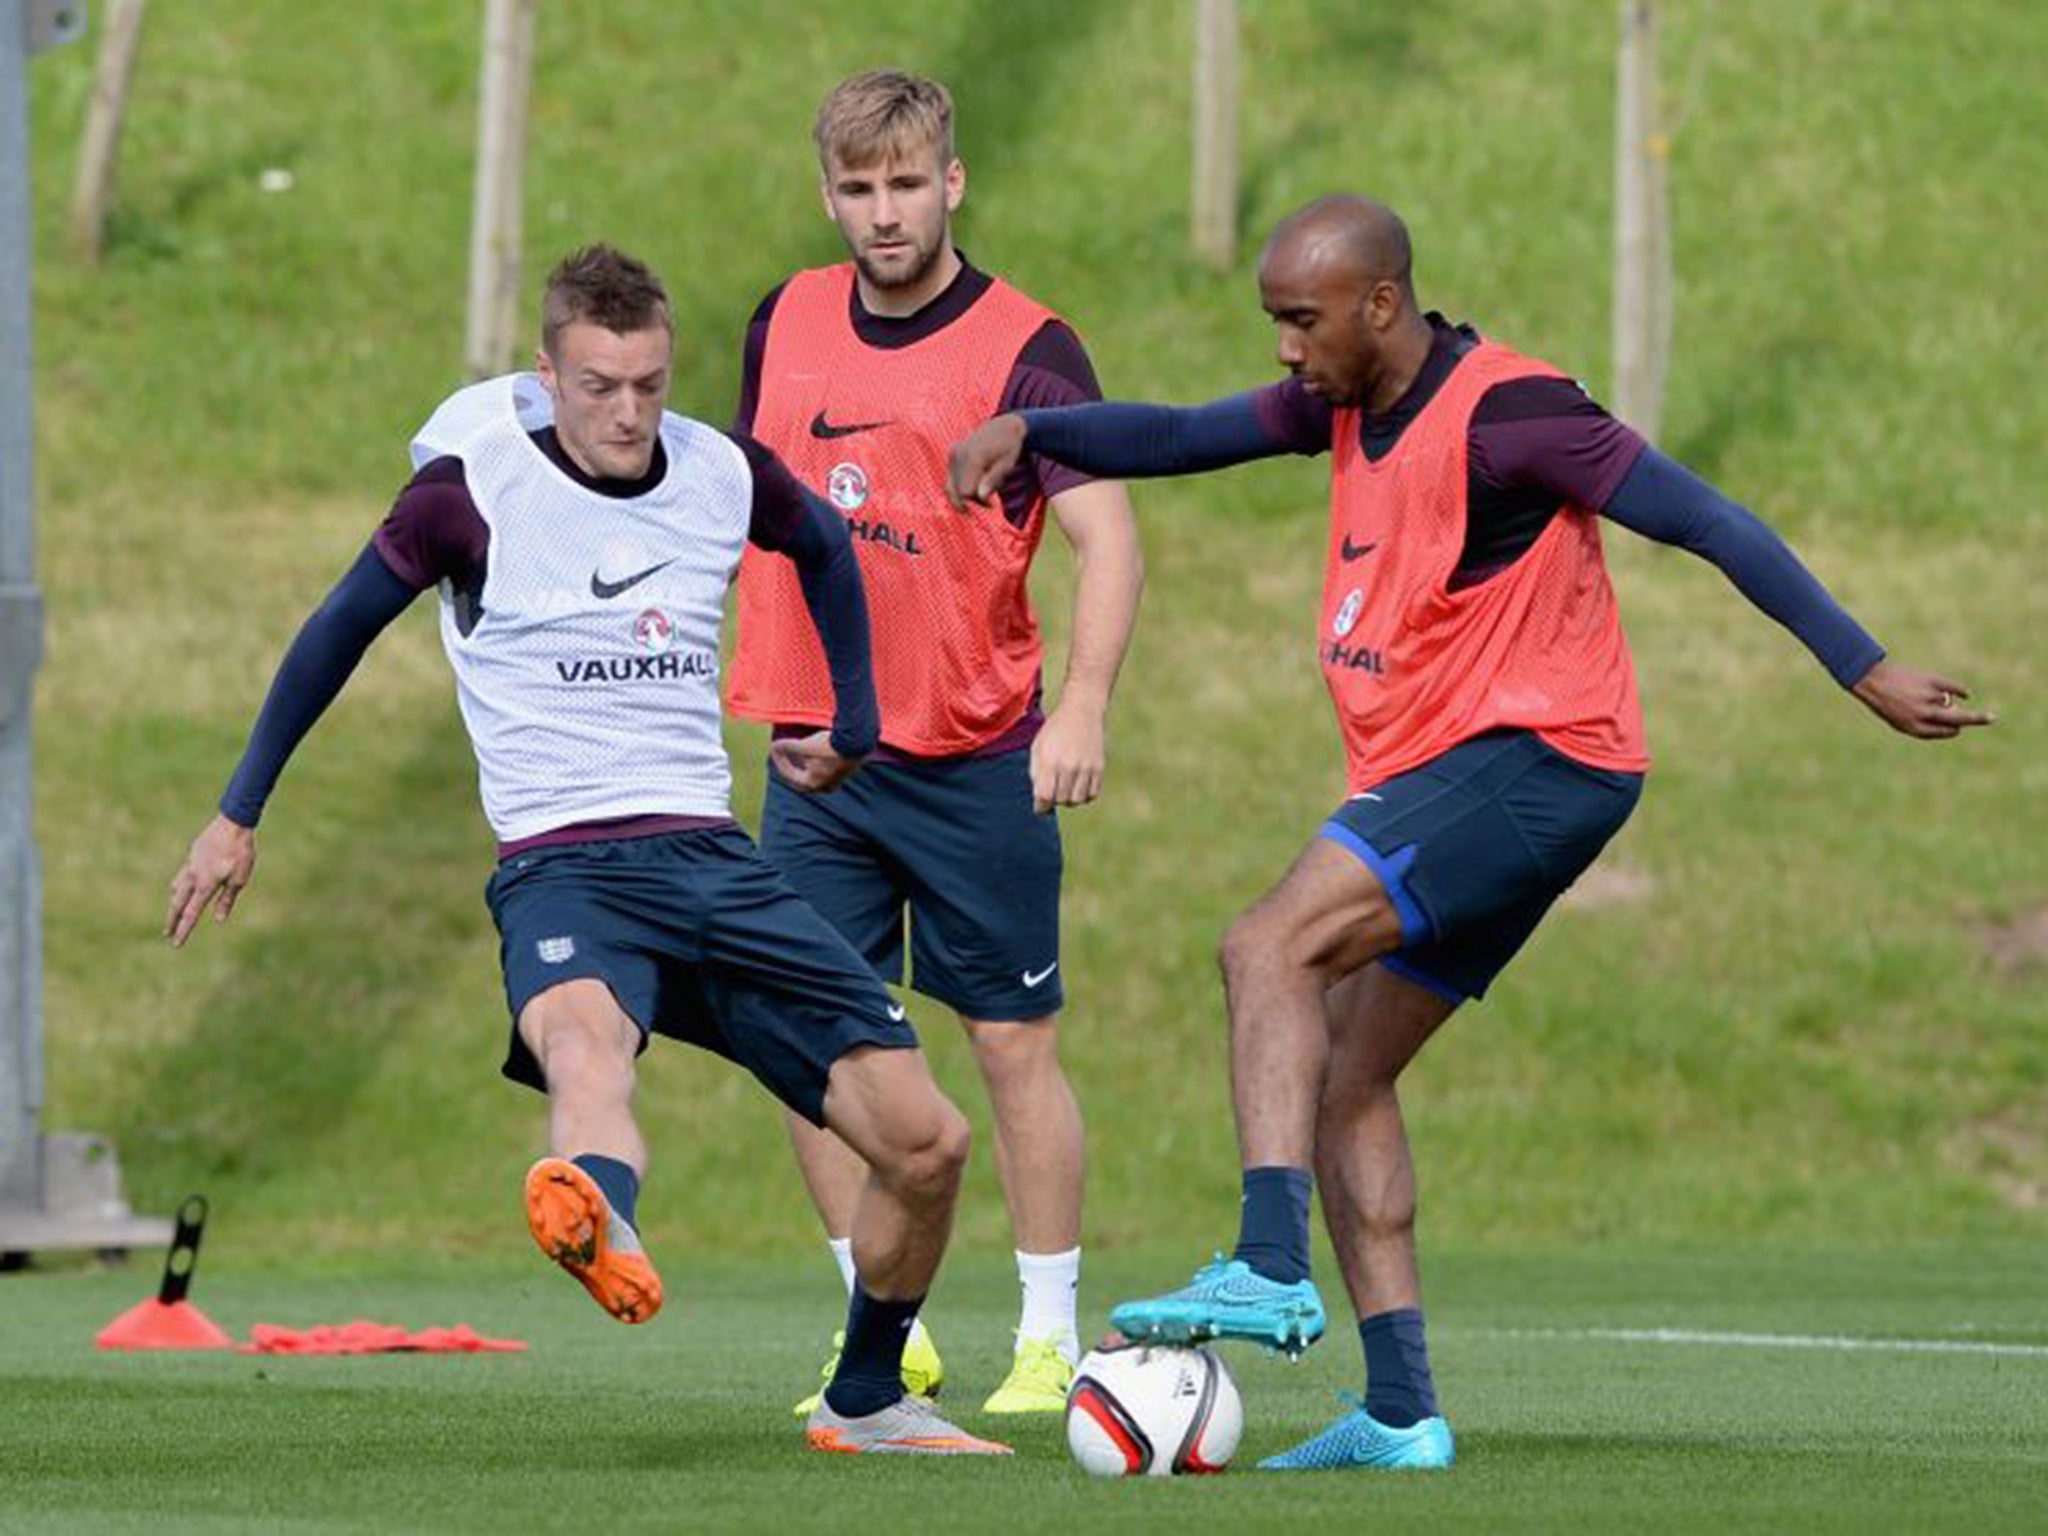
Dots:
(884, 114)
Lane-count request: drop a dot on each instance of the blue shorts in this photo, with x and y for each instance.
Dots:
(699, 939)
(956, 844)
(1475, 845)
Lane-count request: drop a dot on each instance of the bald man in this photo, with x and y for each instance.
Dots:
(1471, 644)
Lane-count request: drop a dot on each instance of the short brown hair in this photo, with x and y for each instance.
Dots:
(605, 286)
(881, 114)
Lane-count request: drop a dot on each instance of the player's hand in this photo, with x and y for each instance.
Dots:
(1067, 759)
(219, 864)
(808, 764)
(982, 461)
(1918, 703)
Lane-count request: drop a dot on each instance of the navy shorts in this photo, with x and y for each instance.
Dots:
(699, 939)
(956, 844)
(1474, 846)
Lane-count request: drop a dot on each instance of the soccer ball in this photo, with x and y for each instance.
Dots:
(1152, 1409)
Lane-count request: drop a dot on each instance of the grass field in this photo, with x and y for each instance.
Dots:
(684, 1425)
(1782, 1068)
(1792, 1021)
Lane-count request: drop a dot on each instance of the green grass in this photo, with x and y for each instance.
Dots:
(685, 1424)
(1778, 1086)
(1791, 1034)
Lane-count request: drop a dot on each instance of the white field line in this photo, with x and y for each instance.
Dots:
(1845, 1343)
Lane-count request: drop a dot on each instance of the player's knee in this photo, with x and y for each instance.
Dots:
(1012, 1055)
(946, 1156)
(574, 1031)
(1267, 943)
(1249, 946)
(930, 1160)
(1388, 1219)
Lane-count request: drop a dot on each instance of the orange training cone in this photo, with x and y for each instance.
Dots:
(167, 1320)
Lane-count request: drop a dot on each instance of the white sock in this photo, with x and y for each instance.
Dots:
(1051, 1281)
(842, 1252)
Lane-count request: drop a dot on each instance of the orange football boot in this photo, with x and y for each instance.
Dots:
(576, 1227)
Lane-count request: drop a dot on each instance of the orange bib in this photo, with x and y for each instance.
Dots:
(956, 644)
(1415, 668)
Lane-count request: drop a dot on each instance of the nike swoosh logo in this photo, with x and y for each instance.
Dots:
(820, 427)
(896, 1012)
(1351, 551)
(599, 587)
(1032, 979)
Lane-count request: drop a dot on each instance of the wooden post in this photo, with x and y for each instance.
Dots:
(495, 235)
(1642, 227)
(1215, 187)
(111, 77)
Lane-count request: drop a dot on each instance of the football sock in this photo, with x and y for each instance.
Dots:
(1272, 1235)
(621, 1185)
(1050, 1282)
(842, 1252)
(1398, 1388)
(870, 1374)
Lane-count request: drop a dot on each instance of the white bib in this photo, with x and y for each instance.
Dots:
(589, 682)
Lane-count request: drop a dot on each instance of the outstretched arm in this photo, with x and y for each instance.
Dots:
(1126, 441)
(1663, 500)
(223, 857)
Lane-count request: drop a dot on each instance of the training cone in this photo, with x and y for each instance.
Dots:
(167, 1320)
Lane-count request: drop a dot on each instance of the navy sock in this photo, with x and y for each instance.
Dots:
(1398, 1387)
(870, 1374)
(621, 1185)
(1272, 1233)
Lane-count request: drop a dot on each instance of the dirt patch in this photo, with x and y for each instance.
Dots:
(2019, 947)
(1610, 885)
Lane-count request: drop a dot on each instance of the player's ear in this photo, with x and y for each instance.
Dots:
(1382, 304)
(956, 183)
(545, 367)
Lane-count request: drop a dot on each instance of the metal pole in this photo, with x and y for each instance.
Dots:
(21, 645)
(56, 1191)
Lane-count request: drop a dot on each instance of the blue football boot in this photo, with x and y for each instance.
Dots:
(1358, 1439)
(1227, 1299)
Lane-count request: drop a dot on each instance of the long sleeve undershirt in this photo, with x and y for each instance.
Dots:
(1657, 498)
(363, 603)
(1663, 500)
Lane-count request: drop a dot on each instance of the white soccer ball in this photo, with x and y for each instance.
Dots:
(1153, 1410)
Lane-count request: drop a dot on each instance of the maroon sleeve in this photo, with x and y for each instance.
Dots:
(433, 530)
(751, 353)
(1295, 419)
(1550, 434)
(1053, 369)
